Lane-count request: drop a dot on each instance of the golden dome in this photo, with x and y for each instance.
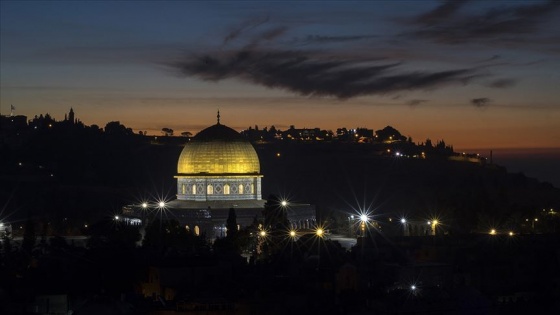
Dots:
(218, 150)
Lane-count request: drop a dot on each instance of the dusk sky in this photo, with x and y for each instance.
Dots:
(478, 74)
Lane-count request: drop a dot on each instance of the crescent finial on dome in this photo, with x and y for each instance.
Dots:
(218, 116)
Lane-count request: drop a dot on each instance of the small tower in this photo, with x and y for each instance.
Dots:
(71, 116)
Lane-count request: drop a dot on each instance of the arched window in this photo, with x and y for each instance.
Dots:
(226, 189)
(196, 230)
(183, 189)
(210, 189)
(252, 188)
(194, 189)
(240, 189)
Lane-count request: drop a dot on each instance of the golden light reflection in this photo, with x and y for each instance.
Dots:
(218, 157)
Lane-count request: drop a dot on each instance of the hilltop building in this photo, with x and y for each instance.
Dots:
(218, 170)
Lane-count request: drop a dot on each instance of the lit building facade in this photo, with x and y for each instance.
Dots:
(218, 170)
(218, 164)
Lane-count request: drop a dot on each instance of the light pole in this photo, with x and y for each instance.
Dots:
(433, 225)
(403, 221)
(144, 206)
(293, 235)
(319, 232)
(363, 223)
(161, 206)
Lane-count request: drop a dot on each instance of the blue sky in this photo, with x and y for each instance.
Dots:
(478, 74)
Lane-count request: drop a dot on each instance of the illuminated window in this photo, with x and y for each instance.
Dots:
(183, 189)
(240, 189)
(226, 189)
(252, 188)
(196, 230)
(194, 189)
(209, 189)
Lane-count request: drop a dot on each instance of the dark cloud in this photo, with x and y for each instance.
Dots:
(446, 24)
(312, 74)
(244, 27)
(333, 39)
(443, 11)
(502, 83)
(416, 102)
(481, 102)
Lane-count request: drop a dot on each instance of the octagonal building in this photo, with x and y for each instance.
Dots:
(217, 170)
(218, 165)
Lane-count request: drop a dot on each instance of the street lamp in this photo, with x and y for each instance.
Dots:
(493, 232)
(284, 203)
(319, 232)
(363, 222)
(161, 206)
(403, 221)
(433, 224)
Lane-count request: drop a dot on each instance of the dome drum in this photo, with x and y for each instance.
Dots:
(204, 188)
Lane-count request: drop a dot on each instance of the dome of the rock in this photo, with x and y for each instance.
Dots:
(218, 150)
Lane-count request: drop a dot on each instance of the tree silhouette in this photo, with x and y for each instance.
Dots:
(231, 224)
(29, 237)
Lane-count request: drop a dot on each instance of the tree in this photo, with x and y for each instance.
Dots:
(186, 134)
(115, 128)
(29, 237)
(275, 215)
(276, 225)
(429, 143)
(167, 132)
(389, 134)
(231, 224)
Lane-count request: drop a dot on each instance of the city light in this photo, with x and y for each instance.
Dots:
(510, 233)
(413, 287)
(284, 203)
(263, 233)
(493, 232)
(144, 205)
(116, 217)
(161, 204)
(320, 232)
(403, 221)
(293, 233)
(363, 217)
